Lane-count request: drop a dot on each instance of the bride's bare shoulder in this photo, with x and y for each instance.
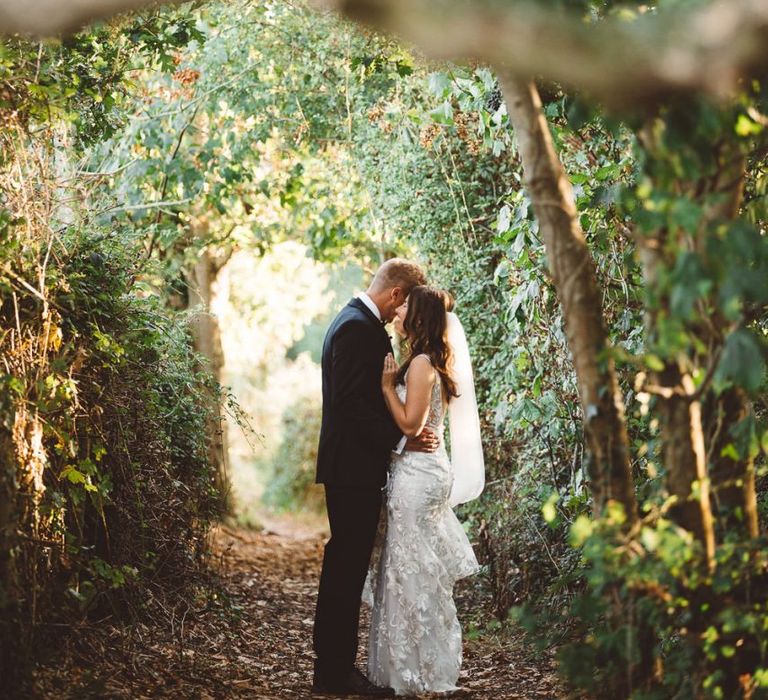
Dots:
(421, 367)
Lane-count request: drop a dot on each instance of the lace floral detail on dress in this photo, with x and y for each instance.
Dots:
(415, 639)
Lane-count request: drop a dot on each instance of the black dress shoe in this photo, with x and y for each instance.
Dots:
(326, 686)
(354, 684)
(362, 686)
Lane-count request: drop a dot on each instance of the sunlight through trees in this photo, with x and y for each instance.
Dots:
(186, 193)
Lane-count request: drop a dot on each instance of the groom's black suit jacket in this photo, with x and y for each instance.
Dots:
(357, 433)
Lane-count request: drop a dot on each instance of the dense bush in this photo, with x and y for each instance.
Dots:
(651, 624)
(369, 155)
(105, 482)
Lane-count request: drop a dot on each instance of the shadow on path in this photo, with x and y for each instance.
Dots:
(253, 638)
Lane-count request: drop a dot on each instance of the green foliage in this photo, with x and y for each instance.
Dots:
(246, 125)
(444, 139)
(105, 485)
(652, 624)
(291, 484)
(82, 79)
(709, 264)
(107, 431)
(482, 245)
(245, 135)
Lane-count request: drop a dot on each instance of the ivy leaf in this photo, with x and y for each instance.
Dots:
(73, 475)
(442, 114)
(504, 220)
(439, 84)
(690, 283)
(742, 361)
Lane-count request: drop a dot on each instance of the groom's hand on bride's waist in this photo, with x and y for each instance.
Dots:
(425, 441)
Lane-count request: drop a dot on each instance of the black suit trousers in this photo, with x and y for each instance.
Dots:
(353, 514)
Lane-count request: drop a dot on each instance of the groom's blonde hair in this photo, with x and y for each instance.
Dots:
(398, 272)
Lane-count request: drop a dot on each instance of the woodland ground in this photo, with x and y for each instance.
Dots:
(252, 637)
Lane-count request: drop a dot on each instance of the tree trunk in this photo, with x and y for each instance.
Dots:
(733, 479)
(679, 404)
(206, 336)
(680, 416)
(573, 274)
(684, 456)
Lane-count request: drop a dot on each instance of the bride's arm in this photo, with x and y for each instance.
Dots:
(411, 415)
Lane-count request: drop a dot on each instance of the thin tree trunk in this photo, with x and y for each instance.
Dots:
(680, 416)
(678, 404)
(573, 274)
(206, 335)
(684, 456)
(733, 480)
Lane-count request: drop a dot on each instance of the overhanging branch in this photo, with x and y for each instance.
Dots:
(47, 18)
(706, 49)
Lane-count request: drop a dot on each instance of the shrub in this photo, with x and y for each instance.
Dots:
(291, 483)
(653, 623)
(106, 486)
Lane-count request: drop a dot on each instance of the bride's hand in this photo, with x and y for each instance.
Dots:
(425, 441)
(389, 373)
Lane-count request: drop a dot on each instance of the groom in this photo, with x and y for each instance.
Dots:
(357, 437)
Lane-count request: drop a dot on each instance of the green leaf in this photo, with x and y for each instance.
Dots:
(653, 362)
(439, 84)
(606, 172)
(442, 114)
(72, 475)
(548, 510)
(581, 530)
(686, 214)
(504, 219)
(537, 386)
(690, 283)
(742, 361)
(746, 127)
(650, 538)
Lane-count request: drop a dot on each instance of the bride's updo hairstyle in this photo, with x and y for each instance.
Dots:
(425, 327)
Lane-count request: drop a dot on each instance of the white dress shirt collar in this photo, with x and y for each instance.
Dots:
(370, 304)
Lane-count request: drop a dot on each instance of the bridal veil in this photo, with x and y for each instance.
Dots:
(464, 421)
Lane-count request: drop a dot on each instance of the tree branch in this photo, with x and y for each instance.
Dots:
(706, 49)
(45, 18)
(573, 276)
(623, 63)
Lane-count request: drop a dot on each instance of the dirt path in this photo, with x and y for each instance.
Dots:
(253, 638)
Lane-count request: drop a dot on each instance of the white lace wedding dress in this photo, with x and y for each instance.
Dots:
(415, 638)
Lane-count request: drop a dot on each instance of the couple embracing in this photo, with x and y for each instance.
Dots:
(381, 441)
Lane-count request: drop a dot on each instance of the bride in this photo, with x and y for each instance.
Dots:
(415, 638)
